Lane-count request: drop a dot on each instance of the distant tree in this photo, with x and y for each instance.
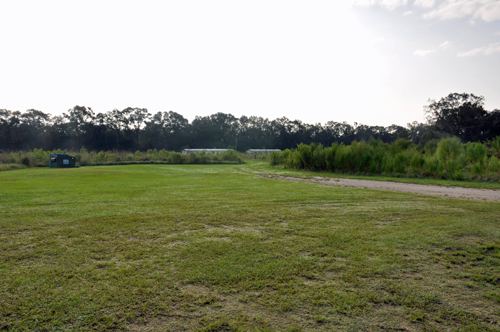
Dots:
(136, 119)
(492, 128)
(214, 131)
(36, 119)
(460, 114)
(254, 132)
(5, 129)
(79, 120)
(13, 133)
(165, 130)
(119, 121)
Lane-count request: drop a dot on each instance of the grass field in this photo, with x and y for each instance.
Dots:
(218, 248)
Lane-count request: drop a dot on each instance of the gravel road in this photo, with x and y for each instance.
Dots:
(453, 192)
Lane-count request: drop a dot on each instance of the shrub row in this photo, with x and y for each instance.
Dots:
(40, 158)
(445, 158)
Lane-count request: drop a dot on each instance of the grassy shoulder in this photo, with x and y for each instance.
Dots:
(218, 248)
(8, 167)
(264, 167)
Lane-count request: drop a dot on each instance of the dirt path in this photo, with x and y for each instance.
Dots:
(453, 192)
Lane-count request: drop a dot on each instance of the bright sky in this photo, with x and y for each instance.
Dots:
(374, 62)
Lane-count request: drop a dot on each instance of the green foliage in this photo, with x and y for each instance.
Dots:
(401, 160)
(494, 164)
(477, 155)
(431, 147)
(176, 158)
(417, 163)
(7, 167)
(26, 161)
(443, 158)
(231, 155)
(276, 158)
(40, 158)
(495, 146)
(400, 145)
(448, 151)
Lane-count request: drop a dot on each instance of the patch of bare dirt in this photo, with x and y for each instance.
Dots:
(452, 192)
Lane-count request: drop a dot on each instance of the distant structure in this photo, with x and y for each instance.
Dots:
(209, 151)
(262, 151)
(61, 160)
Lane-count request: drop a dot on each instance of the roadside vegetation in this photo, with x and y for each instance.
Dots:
(219, 248)
(446, 158)
(40, 158)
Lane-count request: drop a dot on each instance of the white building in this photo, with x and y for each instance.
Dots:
(262, 151)
(209, 151)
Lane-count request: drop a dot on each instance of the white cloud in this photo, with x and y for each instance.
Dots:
(424, 3)
(498, 33)
(407, 13)
(423, 52)
(445, 45)
(389, 4)
(393, 4)
(486, 50)
(486, 10)
(489, 12)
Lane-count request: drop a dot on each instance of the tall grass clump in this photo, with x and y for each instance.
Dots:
(446, 158)
(476, 154)
(448, 151)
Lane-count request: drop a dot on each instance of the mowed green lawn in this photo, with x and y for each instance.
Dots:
(218, 248)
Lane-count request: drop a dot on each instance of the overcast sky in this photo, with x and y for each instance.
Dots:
(374, 62)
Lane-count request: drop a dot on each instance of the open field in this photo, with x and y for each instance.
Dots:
(220, 248)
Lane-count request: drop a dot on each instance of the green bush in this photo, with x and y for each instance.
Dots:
(330, 157)
(231, 155)
(476, 155)
(276, 158)
(431, 147)
(494, 164)
(417, 163)
(433, 165)
(495, 146)
(445, 158)
(176, 158)
(448, 151)
(26, 161)
(401, 161)
(194, 158)
(400, 145)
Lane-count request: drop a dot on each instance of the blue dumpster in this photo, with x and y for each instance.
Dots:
(61, 160)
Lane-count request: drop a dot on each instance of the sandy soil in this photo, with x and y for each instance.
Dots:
(453, 192)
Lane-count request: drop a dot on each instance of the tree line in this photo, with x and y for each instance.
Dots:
(461, 115)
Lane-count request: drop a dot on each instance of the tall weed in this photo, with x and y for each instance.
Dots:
(445, 158)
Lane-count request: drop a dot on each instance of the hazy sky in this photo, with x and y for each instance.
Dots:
(375, 62)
